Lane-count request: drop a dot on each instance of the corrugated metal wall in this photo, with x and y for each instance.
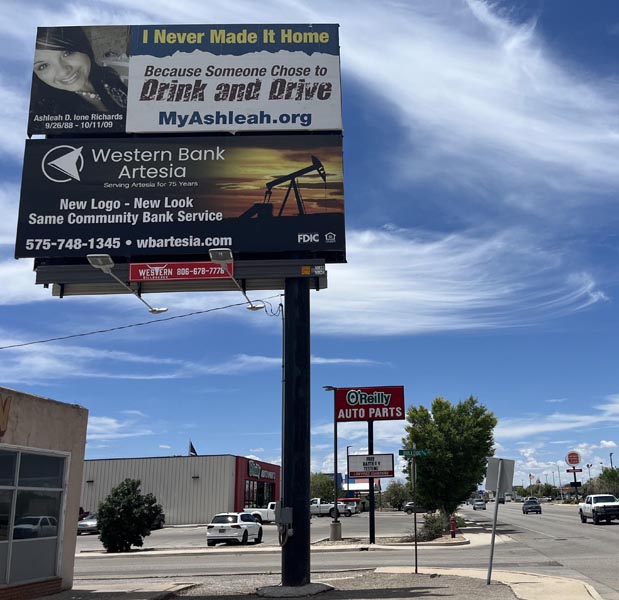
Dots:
(191, 489)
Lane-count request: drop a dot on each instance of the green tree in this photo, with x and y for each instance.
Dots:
(397, 493)
(459, 439)
(321, 486)
(125, 516)
(608, 481)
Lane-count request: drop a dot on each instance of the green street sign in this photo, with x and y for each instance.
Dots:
(413, 452)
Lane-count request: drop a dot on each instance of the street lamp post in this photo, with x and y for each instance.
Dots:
(611, 460)
(335, 530)
(589, 465)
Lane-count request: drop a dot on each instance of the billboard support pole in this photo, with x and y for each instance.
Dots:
(296, 431)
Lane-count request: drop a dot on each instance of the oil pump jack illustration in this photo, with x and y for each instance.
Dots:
(264, 209)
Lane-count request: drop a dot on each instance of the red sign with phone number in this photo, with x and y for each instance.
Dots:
(179, 270)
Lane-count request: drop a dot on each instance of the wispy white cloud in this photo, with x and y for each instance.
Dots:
(405, 282)
(555, 400)
(109, 428)
(535, 425)
(607, 444)
(136, 413)
(165, 446)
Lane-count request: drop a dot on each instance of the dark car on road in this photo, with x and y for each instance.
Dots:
(410, 507)
(531, 506)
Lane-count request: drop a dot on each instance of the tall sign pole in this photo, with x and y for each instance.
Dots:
(371, 483)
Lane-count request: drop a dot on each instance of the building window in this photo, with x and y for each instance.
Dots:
(31, 498)
(7, 467)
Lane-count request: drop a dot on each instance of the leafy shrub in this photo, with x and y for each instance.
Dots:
(125, 516)
(432, 528)
(460, 522)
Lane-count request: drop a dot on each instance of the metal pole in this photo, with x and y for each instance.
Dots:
(336, 512)
(296, 433)
(496, 514)
(371, 480)
(560, 484)
(414, 480)
(347, 473)
(611, 460)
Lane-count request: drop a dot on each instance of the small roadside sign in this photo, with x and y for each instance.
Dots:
(413, 452)
(575, 484)
(573, 470)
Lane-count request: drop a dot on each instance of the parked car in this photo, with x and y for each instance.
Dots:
(411, 507)
(32, 527)
(531, 506)
(479, 505)
(88, 525)
(233, 527)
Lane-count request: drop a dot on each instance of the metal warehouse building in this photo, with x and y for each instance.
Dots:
(191, 489)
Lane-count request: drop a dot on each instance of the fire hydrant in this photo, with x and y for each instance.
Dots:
(452, 526)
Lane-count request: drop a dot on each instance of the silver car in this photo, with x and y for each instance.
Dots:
(88, 525)
(233, 527)
(479, 505)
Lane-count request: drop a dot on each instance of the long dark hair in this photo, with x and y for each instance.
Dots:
(105, 81)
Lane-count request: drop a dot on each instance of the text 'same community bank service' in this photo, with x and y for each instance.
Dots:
(192, 186)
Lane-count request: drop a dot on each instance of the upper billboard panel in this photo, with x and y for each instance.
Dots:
(185, 78)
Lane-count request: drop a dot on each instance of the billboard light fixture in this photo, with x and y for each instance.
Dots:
(223, 257)
(104, 263)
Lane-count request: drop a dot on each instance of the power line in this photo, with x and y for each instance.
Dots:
(121, 327)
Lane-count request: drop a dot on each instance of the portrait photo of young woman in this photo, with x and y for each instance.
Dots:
(70, 81)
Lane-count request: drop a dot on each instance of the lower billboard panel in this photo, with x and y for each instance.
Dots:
(261, 196)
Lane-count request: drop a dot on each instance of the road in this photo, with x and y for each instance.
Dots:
(554, 543)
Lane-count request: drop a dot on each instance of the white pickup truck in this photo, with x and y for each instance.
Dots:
(320, 508)
(262, 515)
(599, 507)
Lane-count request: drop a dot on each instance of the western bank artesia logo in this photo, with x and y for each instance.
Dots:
(63, 163)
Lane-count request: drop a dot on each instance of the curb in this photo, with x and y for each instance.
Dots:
(196, 551)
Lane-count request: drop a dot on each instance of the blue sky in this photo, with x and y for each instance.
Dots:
(480, 141)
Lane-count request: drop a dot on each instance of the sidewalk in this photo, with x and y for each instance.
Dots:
(384, 583)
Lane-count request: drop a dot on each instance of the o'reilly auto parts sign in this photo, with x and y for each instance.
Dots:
(383, 403)
(258, 195)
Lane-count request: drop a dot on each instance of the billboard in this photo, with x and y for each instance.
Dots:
(372, 465)
(260, 196)
(385, 403)
(185, 78)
